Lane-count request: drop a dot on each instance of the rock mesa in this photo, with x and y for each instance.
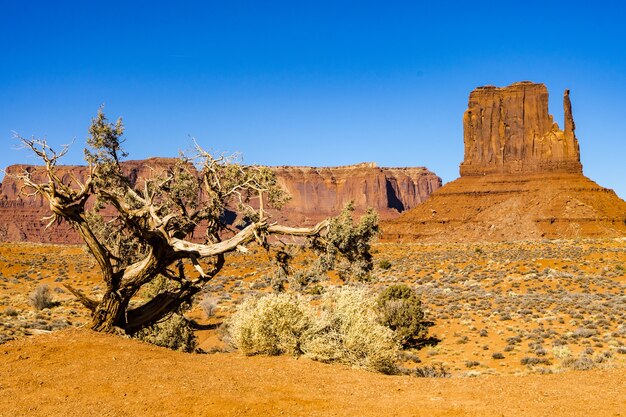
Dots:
(509, 130)
(521, 178)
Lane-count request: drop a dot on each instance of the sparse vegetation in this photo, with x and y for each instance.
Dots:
(557, 313)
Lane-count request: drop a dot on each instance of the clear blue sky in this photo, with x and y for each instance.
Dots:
(307, 83)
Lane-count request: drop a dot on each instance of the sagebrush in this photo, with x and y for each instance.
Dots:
(41, 297)
(343, 328)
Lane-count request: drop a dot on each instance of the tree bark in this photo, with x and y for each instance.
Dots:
(158, 308)
(110, 313)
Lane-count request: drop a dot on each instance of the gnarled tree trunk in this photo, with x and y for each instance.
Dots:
(110, 313)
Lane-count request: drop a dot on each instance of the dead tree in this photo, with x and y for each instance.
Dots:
(149, 234)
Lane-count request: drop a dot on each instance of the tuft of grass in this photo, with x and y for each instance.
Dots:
(384, 264)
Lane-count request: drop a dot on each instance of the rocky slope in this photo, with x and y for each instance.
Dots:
(316, 193)
(521, 178)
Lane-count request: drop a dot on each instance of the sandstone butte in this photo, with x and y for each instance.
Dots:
(316, 193)
(521, 178)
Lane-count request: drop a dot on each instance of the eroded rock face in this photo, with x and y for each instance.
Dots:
(509, 130)
(316, 193)
(521, 179)
(325, 191)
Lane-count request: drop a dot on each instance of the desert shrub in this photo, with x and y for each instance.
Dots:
(472, 364)
(274, 324)
(408, 356)
(401, 310)
(343, 328)
(561, 352)
(11, 312)
(581, 363)
(41, 298)
(348, 331)
(514, 340)
(174, 333)
(431, 371)
(208, 306)
(585, 332)
(497, 355)
(384, 264)
(531, 361)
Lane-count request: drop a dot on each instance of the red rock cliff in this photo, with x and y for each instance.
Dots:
(521, 179)
(316, 193)
(325, 191)
(509, 130)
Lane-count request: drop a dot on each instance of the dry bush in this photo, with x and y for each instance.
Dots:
(432, 371)
(274, 324)
(581, 363)
(343, 329)
(348, 332)
(41, 298)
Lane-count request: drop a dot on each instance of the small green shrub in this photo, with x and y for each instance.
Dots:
(384, 264)
(401, 310)
(173, 333)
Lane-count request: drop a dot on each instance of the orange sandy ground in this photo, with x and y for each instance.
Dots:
(75, 372)
(80, 373)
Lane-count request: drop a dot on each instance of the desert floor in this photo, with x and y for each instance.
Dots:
(525, 328)
(80, 373)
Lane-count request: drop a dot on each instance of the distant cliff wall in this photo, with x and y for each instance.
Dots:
(316, 193)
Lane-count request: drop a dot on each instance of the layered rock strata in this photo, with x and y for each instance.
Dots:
(521, 178)
(509, 130)
(316, 193)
